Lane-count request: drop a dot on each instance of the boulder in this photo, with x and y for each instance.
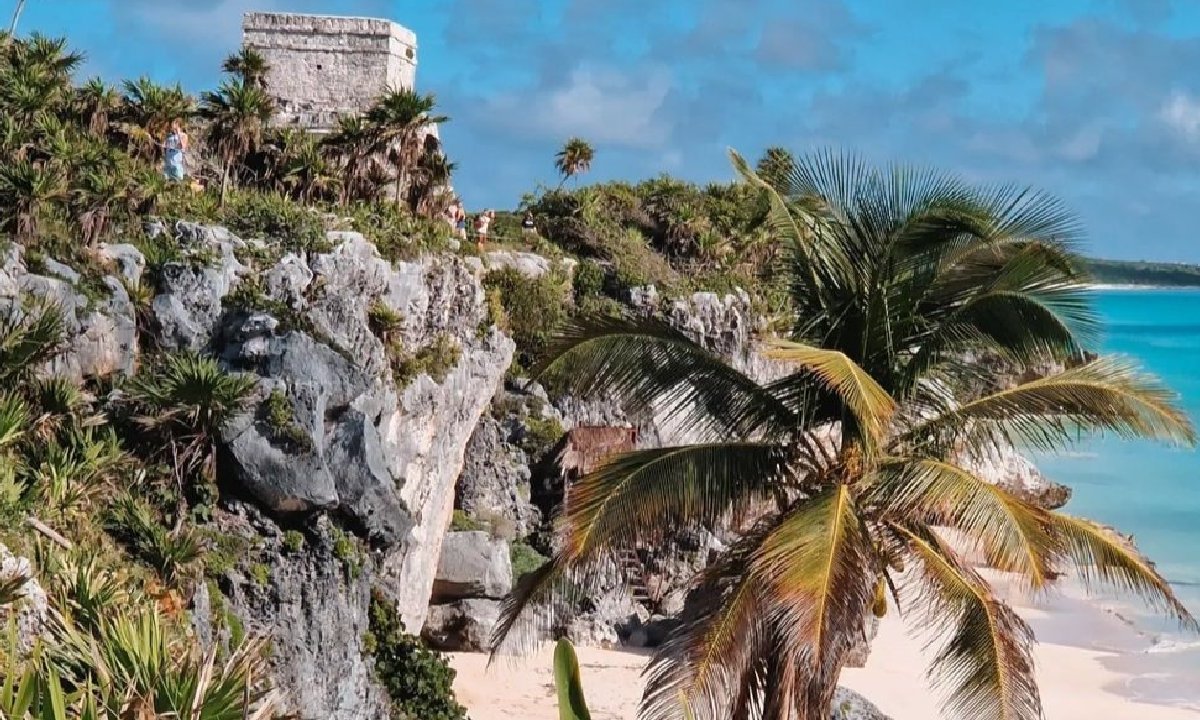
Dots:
(472, 565)
(462, 626)
(849, 705)
(29, 614)
(129, 261)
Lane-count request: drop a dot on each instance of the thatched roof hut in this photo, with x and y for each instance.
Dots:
(583, 449)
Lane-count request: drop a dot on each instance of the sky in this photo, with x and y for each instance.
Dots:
(1097, 101)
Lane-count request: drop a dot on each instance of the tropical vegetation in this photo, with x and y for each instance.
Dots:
(846, 476)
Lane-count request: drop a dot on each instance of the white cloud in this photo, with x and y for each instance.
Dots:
(1181, 112)
(602, 106)
(1083, 144)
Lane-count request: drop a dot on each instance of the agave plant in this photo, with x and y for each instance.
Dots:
(185, 399)
(31, 334)
(841, 472)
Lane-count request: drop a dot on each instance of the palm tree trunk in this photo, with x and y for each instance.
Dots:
(224, 183)
(12, 28)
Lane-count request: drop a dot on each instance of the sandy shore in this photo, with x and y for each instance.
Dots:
(1091, 665)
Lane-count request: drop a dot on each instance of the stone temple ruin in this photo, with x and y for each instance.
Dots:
(323, 67)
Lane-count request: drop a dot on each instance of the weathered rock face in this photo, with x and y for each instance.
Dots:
(314, 606)
(462, 626)
(472, 565)
(849, 705)
(30, 613)
(367, 451)
(1014, 472)
(101, 334)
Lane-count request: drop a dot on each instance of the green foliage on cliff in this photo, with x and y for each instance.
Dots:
(532, 308)
(1123, 272)
(418, 680)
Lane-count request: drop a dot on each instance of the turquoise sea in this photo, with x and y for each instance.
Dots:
(1150, 490)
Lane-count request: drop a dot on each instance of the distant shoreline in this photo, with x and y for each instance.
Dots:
(1131, 286)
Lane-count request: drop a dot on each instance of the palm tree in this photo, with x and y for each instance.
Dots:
(351, 142)
(249, 66)
(148, 111)
(98, 190)
(574, 159)
(775, 167)
(97, 101)
(398, 120)
(842, 472)
(238, 115)
(303, 171)
(427, 192)
(182, 403)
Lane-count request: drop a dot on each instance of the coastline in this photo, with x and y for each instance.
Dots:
(1092, 663)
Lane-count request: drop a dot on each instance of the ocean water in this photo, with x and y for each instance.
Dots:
(1149, 490)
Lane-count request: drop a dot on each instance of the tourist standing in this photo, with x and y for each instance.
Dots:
(175, 152)
(528, 226)
(483, 223)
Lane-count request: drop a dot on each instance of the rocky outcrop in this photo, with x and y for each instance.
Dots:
(313, 604)
(462, 626)
(29, 612)
(98, 319)
(1008, 468)
(849, 705)
(472, 565)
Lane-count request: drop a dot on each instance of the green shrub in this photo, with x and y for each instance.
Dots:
(524, 559)
(261, 574)
(541, 434)
(172, 554)
(461, 522)
(397, 233)
(280, 418)
(436, 360)
(275, 217)
(419, 681)
(533, 309)
(293, 541)
(588, 280)
(345, 549)
(383, 320)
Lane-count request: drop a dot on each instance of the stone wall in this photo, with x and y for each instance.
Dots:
(322, 66)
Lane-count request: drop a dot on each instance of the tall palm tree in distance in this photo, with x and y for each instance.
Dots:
(238, 115)
(399, 119)
(574, 159)
(248, 65)
(843, 473)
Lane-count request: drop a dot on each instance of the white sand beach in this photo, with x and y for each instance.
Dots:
(1091, 665)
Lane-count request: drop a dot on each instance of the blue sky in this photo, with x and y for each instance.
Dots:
(1095, 100)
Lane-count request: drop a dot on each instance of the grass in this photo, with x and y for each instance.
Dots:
(280, 419)
(436, 360)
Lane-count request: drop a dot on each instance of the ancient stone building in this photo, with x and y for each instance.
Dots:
(322, 67)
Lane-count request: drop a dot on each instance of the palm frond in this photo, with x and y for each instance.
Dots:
(640, 497)
(817, 567)
(1014, 535)
(1103, 557)
(708, 667)
(985, 663)
(871, 405)
(654, 368)
(1106, 394)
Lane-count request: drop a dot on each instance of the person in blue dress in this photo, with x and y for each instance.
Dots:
(175, 152)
